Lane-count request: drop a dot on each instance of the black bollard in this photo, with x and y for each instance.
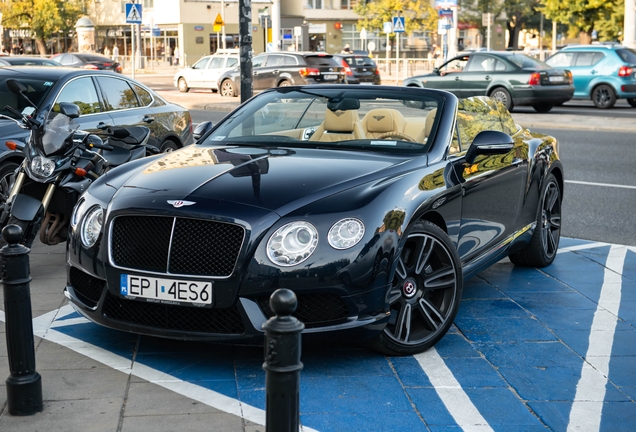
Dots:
(24, 385)
(282, 364)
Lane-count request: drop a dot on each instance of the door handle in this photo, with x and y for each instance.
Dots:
(456, 78)
(487, 78)
(148, 119)
(103, 126)
(593, 72)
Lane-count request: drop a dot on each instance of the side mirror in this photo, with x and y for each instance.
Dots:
(70, 110)
(436, 71)
(202, 129)
(489, 142)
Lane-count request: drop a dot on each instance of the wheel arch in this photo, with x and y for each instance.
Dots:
(434, 218)
(598, 84)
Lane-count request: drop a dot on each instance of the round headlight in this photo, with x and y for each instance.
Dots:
(292, 244)
(78, 212)
(42, 167)
(346, 233)
(92, 226)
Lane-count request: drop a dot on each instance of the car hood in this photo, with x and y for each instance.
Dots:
(274, 179)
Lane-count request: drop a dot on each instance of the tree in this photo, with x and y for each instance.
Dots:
(43, 17)
(604, 16)
(419, 14)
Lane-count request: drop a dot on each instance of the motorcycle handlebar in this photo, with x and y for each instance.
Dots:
(29, 121)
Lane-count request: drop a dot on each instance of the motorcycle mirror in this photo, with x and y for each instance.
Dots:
(16, 87)
(69, 109)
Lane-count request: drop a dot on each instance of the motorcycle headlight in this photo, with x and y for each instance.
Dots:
(92, 226)
(78, 212)
(42, 166)
(292, 244)
(346, 233)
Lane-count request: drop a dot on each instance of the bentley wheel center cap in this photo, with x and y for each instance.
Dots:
(409, 288)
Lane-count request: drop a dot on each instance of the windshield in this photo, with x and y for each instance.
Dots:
(57, 131)
(37, 89)
(351, 117)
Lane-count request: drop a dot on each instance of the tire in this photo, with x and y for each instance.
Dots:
(632, 102)
(603, 97)
(183, 85)
(168, 146)
(227, 88)
(421, 315)
(543, 108)
(284, 83)
(502, 95)
(7, 177)
(544, 244)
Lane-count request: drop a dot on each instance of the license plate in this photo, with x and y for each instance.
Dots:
(556, 79)
(166, 290)
(330, 77)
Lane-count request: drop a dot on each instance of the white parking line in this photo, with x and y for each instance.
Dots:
(600, 184)
(587, 408)
(457, 402)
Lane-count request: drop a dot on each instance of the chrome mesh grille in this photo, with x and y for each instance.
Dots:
(175, 245)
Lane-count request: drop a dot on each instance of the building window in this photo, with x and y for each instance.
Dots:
(348, 4)
(314, 4)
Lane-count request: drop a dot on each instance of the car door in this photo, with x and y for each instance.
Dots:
(448, 76)
(123, 105)
(479, 72)
(492, 185)
(258, 72)
(196, 75)
(83, 93)
(268, 74)
(212, 72)
(584, 71)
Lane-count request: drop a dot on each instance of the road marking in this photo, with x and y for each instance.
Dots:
(457, 402)
(587, 408)
(600, 184)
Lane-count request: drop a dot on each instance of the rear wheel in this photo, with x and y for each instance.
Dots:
(543, 108)
(168, 146)
(501, 94)
(425, 292)
(632, 102)
(284, 83)
(227, 88)
(183, 85)
(603, 97)
(544, 244)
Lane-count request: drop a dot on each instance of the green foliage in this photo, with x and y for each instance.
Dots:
(604, 16)
(419, 15)
(43, 17)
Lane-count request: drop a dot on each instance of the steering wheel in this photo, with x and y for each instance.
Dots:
(396, 134)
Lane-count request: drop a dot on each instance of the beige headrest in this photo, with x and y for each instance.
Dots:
(430, 118)
(340, 121)
(384, 120)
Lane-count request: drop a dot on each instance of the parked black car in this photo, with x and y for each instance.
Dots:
(511, 78)
(372, 203)
(359, 69)
(27, 61)
(105, 99)
(88, 61)
(282, 69)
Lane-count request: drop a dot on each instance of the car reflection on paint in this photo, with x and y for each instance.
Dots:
(372, 203)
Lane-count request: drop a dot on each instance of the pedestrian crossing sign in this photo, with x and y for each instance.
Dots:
(398, 24)
(133, 13)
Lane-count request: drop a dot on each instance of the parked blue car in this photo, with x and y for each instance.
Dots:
(601, 72)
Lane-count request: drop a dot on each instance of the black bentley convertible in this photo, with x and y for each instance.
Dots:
(373, 204)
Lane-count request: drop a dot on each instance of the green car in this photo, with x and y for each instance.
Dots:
(512, 78)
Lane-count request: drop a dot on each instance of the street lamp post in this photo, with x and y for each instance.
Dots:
(265, 15)
(223, 26)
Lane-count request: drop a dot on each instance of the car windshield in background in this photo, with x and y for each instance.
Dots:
(628, 55)
(321, 60)
(360, 61)
(525, 62)
(330, 118)
(36, 92)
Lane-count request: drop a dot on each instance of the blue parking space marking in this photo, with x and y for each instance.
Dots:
(524, 355)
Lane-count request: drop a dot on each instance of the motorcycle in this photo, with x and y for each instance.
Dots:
(60, 163)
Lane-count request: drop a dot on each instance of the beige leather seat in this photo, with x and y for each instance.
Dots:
(381, 120)
(339, 126)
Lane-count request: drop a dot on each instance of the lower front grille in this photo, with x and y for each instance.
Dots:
(88, 289)
(314, 310)
(171, 317)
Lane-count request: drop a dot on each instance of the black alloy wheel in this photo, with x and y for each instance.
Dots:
(168, 146)
(501, 94)
(603, 97)
(227, 88)
(425, 292)
(543, 246)
(632, 102)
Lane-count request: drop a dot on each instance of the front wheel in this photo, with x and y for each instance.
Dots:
(227, 88)
(183, 85)
(425, 292)
(501, 94)
(632, 102)
(7, 177)
(544, 243)
(603, 97)
(168, 146)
